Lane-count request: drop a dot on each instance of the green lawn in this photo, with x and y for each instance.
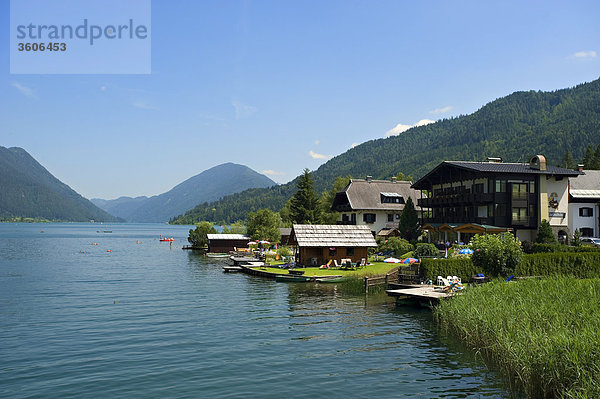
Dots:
(374, 269)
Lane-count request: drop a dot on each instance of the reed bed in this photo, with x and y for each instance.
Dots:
(544, 334)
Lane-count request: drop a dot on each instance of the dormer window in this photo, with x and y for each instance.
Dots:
(391, 198)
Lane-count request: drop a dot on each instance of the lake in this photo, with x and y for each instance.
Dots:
(150, 320)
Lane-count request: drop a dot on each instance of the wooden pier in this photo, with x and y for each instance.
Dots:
(427, 294)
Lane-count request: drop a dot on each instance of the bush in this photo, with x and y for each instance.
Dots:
(397, 245)
(284, 251)
(496, 255)
(583, 264)
(461, 267)
(537, 248)
(425, 250)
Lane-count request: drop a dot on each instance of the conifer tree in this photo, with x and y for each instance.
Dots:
(545, 234)
(408, 226)
(588, 159)
(304, 205)
(567, 160)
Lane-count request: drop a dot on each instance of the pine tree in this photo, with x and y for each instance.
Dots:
(567, 160)
(304, 205)
(596, 162)
(408, 226)
(588, 159)
(545, 235)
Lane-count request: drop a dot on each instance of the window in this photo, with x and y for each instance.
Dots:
(397, 216)
(349, 251)
(490, 211)
(519, 215)
(369, 218)
(390, 217)
(586, 212)
(500, 210)
(500, 186)
(332, 252)
(586, 232)
(391, 198)
(519, 191)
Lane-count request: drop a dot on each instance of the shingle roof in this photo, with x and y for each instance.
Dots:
(585, 186)
(364, 194)
(508, 167)
(227, 237)
(324, 235)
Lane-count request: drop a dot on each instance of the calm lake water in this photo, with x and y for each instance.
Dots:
(150, 320)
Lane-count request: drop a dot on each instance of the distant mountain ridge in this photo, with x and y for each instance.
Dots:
(210, 185)
(28, 190)
(514, 127)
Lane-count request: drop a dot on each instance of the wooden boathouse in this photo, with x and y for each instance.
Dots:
(317, 244)
(224, 243)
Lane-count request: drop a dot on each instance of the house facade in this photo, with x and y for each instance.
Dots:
(317, 244)
(584, 204)
(223, 243)
(377, 204)
(479, 197)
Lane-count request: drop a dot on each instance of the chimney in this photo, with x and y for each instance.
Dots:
(394, 179)
(579, 167)
(369, 178)
(538, 162)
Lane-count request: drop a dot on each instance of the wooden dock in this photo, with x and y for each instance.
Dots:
(420, 293)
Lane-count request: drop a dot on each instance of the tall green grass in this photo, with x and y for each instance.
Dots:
(544, 334)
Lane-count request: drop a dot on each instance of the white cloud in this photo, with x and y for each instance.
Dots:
(242, 110)
(143, 104)
(401, 128)
(317, 142)
(103, 88)
(314, 155)
(441, 110)
(272, 172)
(585, 54)
(354, 145)
(26, 91)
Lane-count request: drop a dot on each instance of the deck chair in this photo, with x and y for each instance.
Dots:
(363, 262)
(335, 263)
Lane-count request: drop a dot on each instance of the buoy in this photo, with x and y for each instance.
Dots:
(108, 250)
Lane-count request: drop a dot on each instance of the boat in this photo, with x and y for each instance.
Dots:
(163, 239)
(333, 279)
(292, 279)
(217, 255)
(232, 269)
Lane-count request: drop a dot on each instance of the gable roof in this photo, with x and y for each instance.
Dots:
(326, 235)
(227, 237)
(492, 167)
(361, 194)
(586, 186)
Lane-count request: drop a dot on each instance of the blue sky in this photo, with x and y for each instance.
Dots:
(283, 85)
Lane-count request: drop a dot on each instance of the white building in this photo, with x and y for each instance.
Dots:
(374, 203)
(584, 204)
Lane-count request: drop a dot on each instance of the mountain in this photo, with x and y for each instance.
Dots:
(28, 190)
(514, 127)
(209, 185)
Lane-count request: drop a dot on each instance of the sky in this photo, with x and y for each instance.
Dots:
(281, 86)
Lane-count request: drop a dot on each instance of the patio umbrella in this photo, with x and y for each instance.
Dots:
(391, 260)
(468, 251)
(410, 260)
(264, 242)
(252, 243)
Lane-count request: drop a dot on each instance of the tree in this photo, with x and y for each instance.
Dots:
(408, 226)
(402, 177)
(576, 238)
(596, 164)
(198, 238)
(264, 225)
(496, 255)
(329, 216)
(304, 205)
(588, 159)
(398, 246)
(545, 234)
(567, 160)
(235, 228)
(425, 249)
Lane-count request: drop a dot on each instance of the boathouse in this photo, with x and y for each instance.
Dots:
(317, 244)
(223, 243)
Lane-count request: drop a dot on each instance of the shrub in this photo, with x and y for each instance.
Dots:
(496, 255)
(583, 264)
(461, 267)
(397, 245)
(527, 247)
(545, 235)
(424, 250)
(545, 248)
(284, 251)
